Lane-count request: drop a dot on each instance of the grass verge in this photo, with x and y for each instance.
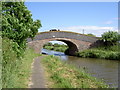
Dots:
(62, 75)
(15, 71)
(0, 61)
(25, 68)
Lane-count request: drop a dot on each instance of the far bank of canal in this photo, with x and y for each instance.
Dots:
(99, 68)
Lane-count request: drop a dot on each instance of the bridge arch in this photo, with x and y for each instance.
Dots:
(75, 41)
(72, 46)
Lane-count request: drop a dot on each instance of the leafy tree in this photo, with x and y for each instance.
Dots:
(110, 37)
(17, 23)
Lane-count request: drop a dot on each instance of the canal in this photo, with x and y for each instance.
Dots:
(99, 68)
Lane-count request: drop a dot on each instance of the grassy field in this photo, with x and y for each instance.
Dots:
(62, 75)
(15, 71)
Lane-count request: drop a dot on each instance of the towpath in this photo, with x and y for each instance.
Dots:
(37, 79)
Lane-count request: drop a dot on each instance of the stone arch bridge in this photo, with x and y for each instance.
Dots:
(75, 41)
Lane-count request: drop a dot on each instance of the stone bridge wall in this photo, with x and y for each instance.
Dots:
(64, 34)
(75, 41)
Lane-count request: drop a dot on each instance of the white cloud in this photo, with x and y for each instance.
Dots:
(108, 22)
(96, 30)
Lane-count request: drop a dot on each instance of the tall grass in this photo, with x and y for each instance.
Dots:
(15, 71)
(0, 61)
(108, 52)
(62, 75)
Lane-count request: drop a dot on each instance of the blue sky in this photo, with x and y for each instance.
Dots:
(93, 17)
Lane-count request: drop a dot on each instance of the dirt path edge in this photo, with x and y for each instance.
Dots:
(37, 79)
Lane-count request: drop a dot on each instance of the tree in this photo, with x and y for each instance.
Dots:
(110, 37)
(17, 23)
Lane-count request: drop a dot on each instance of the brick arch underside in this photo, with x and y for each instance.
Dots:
(72, 44)
(73, 48)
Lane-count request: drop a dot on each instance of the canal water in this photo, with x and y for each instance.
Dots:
(99, 68)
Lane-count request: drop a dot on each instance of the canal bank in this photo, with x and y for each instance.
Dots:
(63, 75)
(99, 68)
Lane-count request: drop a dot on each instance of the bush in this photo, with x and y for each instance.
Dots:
(110, 38)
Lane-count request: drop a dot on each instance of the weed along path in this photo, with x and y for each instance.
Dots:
(37, 77)
(50, 72)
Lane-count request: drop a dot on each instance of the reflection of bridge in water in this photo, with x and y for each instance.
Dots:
(75, 41)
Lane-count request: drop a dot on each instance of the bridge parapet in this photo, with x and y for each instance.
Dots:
(65, 34)
(75, 41)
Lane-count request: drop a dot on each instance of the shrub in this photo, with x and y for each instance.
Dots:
(110, 38)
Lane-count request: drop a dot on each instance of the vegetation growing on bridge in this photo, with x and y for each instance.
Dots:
(62, 75)
(91, 35)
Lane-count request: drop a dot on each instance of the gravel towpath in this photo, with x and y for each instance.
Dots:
(37, 78)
